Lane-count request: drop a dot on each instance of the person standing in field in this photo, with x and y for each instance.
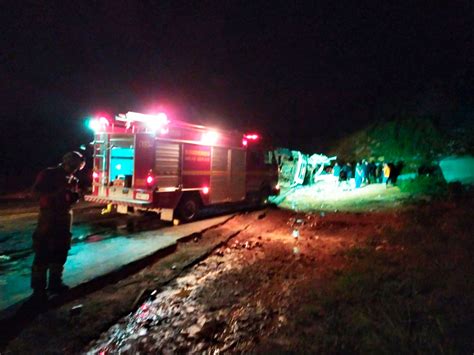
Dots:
(386, 174)
(365, 172)
(359, 175)
(57, 190)
(336, 171)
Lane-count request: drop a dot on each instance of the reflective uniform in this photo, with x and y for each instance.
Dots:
(386, 174)
(52, 238)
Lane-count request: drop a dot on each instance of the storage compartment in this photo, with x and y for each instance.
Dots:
(121, 161)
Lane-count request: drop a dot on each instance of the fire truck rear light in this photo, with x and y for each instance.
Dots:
(245, 142)
(205, 190)
(149, 180)
(251, 137)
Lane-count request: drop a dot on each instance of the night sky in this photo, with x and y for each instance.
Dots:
(303, 74)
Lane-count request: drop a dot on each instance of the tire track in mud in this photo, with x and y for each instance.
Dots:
(177, 317)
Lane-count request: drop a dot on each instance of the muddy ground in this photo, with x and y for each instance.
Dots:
(398, 281)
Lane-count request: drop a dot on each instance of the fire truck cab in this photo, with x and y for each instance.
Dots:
(149, 163)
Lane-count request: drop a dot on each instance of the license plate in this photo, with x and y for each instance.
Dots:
(142, 196)
(122, 209)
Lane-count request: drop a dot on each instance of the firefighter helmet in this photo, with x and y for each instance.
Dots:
(74, 159)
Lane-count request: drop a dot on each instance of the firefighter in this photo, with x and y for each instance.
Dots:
(57, 189)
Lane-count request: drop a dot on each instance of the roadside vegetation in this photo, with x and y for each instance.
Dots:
(433, 186)
(414, 142)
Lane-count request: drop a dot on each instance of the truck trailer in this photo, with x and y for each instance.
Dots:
(147, 162)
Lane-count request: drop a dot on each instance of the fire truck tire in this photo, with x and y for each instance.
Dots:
(188, 208)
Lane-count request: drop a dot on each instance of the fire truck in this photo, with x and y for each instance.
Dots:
(147, 162)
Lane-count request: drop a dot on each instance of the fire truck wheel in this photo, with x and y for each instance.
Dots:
(188, 208)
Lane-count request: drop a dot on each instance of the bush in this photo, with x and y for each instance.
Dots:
(425, 185)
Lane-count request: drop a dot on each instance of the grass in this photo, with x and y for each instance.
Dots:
(424, 185)
(366, 199)
(412, 293)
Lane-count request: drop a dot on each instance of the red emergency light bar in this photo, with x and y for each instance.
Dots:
(159, 124)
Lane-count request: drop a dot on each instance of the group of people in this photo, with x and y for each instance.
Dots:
(364, 173)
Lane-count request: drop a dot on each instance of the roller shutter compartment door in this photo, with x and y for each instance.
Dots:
(219, 175)
(237, 174)
(167, 164)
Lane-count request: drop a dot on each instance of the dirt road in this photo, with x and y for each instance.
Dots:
(394, 281)
(317, 283)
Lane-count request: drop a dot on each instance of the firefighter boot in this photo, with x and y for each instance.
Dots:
(56, 284)
(38, 282)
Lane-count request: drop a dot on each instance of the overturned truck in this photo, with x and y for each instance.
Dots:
(297, 168)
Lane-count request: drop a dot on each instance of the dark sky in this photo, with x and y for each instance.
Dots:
(303, 74)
